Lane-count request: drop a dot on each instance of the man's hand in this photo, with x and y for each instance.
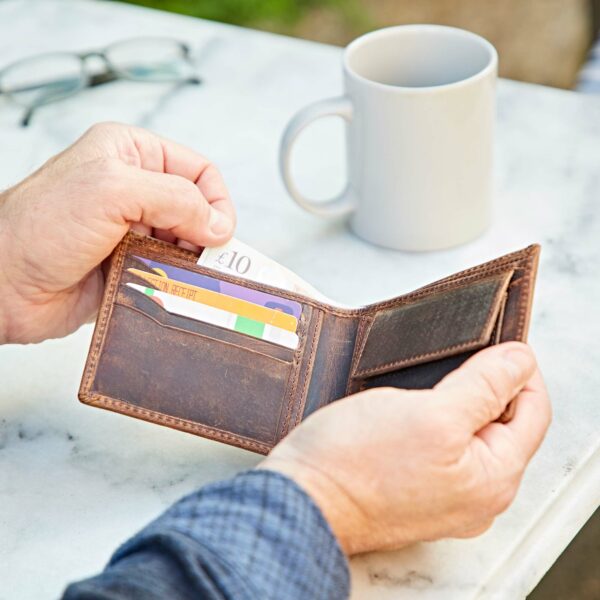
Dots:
(390, 467)
(58, 225)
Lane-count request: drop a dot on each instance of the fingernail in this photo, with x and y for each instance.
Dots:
(219, 223)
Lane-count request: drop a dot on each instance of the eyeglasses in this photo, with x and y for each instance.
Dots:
(38, 80)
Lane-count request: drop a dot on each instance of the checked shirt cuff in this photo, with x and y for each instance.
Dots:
(258, 535)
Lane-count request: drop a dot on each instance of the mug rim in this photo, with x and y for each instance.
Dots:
(490, 66)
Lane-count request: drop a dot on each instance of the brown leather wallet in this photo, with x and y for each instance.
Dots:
(148, 363)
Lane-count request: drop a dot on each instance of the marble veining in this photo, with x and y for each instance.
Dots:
(76, 481)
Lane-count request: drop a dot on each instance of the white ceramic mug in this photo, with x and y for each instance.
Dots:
(419, 112)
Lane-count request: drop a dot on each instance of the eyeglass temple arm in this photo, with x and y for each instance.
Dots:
(95, 80)
(109, 76)
(27, 116)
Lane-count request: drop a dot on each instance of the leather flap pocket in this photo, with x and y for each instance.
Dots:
(430, 325)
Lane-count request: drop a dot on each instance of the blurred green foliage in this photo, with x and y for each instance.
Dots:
(249, 12)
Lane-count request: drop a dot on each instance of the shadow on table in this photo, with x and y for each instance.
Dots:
(575, 574)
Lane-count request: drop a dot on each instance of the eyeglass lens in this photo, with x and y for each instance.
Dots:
(43, 79)
(151, 59)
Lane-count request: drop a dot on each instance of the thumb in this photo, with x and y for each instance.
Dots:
(479, 390)
(173, 203)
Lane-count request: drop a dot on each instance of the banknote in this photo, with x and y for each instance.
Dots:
(237, 258)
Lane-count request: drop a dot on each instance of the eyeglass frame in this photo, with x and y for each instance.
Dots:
(89, 80)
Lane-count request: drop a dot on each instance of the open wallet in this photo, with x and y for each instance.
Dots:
(223, 384)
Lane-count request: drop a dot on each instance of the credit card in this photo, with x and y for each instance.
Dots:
(224, 287)
(243, 308)
(216, 316)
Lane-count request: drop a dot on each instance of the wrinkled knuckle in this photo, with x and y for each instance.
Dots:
(104, 128)
(192, 198)
(188, 196)
(108, 169)
(106, 176)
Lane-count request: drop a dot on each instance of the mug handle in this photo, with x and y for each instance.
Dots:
(340, 205)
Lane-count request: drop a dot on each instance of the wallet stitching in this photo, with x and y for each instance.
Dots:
(310, 365)
(524, 255)
(364, 327)
(435, 289)
(99, 336)
(158, 245)
(525, 298)
(437, 353)
(207, 337)
(497, 330)
(464, 277)
(157, 416)
(294, 375)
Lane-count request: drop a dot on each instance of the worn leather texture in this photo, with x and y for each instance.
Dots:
(199, 378)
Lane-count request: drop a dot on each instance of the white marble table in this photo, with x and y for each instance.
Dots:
(76, 481)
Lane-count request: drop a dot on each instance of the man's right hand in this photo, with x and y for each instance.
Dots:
(389, 467)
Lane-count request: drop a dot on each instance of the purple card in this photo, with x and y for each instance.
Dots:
(224, 287)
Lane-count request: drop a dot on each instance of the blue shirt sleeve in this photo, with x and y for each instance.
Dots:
(256, 536)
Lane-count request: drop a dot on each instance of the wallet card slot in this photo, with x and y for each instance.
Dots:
(152, 310)
(422, 376)
(187, 375)
(430, 327)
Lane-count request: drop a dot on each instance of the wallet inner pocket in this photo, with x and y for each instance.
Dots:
(194, 371)
(426, 375)
(147, 306)
(278, 332)
(418, 377)
(439, 329)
